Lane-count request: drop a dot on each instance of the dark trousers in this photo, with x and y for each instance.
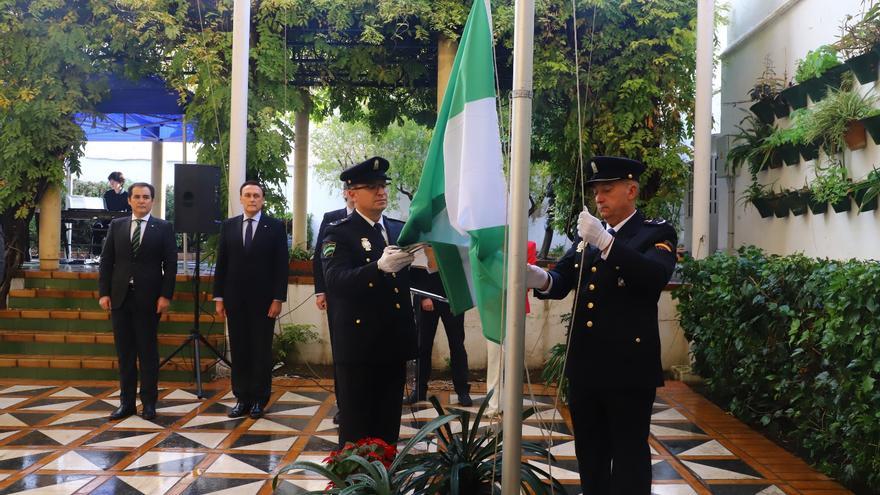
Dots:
(373, 398)
(250, 346)
(612, 425)
(134, 333)
(454, 326)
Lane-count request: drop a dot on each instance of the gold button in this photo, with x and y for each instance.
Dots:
(358, 321)
(370, 284)
(394, 275)
(617, 268)
(397, 305)
(368, 260)
(591, 287)
(575, 265)
(638, 340)
(589, 305)
(589, 324)
(593, 269)
(396, 290)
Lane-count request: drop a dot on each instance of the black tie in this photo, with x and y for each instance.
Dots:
(379, 229)
(249, 233)
(612, 232)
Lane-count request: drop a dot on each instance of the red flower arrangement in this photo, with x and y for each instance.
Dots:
(371, 449)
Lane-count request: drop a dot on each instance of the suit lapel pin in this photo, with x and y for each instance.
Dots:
(365, 243)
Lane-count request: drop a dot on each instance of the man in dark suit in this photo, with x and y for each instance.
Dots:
(250, 283)
(318, 271)
(619, 269)
(367, 283)
(136, 282)
(428, 314)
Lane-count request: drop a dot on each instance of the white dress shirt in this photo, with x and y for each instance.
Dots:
(380, 222)
(146, 219)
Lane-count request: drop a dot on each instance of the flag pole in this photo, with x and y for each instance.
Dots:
(517, 239)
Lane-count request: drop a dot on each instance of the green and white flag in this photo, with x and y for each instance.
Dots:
(460, 206)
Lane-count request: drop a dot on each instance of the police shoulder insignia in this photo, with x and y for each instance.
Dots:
(665, 245)
(655, 221)
(340, 221)
(327, 249)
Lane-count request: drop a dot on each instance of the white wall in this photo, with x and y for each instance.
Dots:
(805, 25)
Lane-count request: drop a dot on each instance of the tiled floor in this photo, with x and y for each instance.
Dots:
(55, 439)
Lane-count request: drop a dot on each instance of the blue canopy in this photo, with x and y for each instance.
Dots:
(144, 110)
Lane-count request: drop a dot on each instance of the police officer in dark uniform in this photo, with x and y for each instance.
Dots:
(619, 268)
(367, 284)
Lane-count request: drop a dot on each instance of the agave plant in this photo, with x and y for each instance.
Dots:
(468, 462)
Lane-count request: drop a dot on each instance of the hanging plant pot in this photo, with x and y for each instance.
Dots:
(809, 151)
(775, 160)
(789, 154)
(872, 125)
(763, 110)
(763, 206)
(817, 207)
(796, 96)
(855, 136)
(816, 88)
(859, 197)
(798, 201)
(781, 205)
(842, 205)
(833, 76)
(865, 66)
(780, 106)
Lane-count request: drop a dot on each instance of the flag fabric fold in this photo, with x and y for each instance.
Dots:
(460, 206)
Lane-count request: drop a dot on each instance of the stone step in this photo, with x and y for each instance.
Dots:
(89, 367)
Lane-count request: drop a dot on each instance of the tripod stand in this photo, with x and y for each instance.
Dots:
(195, 337)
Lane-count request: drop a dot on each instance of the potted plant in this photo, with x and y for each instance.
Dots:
(748, 146)
(784, 144)
(798, 200)
(836, 121)
(865, 192)
(831, 185)
(780, 204)
(286, 342)
(872, 124)
(815, 65)
(795, 95)
(300, 261)
(858, 44)
(759, 197)
(766, 95)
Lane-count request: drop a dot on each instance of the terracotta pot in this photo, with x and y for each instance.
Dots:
(300, 267)
(856, 138)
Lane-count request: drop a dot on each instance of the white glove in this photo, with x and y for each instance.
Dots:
(394, 259)
(591, 230)
(536, 277)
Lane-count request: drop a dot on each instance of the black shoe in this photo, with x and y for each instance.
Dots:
(414, 397)
(336, 418)
(123, 411)
(240, 409)
(149, 412)
(464, 399)
(257, 411)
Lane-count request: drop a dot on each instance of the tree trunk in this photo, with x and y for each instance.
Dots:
(16, 231)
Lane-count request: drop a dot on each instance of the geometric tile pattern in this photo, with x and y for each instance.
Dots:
(55, 439)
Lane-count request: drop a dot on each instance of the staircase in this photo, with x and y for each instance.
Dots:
(54, 329)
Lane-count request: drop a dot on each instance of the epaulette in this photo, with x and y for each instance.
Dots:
(394, 220)
(340, 221)
(655, 221)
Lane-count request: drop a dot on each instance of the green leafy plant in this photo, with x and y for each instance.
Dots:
(372, 449)
(828, 121)
(790, 343)
(870, 187)
(831, 184)
(815, 63)
(469, 461)
(748, 145)
(553, 373)
(299, 253)
(285, 342)
(862, 35)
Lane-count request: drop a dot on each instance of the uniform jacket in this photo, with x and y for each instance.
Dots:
(615, 339)
(153, 269)
(259, 274)
(317, 267)
(372, 312)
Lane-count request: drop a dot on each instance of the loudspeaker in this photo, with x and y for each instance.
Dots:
(196, 198)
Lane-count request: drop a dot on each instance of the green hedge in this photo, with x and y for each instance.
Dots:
(793, 343)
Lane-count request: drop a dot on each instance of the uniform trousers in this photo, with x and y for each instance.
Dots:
(250, 346)
(134, 333)
(454, 326)
(611, 425)
(373, 399)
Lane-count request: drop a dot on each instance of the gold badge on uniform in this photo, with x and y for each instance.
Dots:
(375, 164)
(365, 243)
(620, 282)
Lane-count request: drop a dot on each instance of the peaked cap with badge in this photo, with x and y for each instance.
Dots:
(610, 168)
(368, 171)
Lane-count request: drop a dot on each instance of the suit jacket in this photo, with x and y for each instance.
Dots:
(615, 339)
(372, 313)
(153, 269)
(258, 274)
(317, 266)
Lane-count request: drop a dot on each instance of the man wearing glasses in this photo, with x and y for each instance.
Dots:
(366, 279)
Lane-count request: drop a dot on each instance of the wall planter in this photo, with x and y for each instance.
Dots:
(844, 204)
(798, 201)
(789, 154)
(872, 125)
(865, 66)
(817, 207)
(780, 106)
(775, 160)
(763, 205)
(859, 196)
(299, 267)
(809, 151)
(796, 96)
(815, 88)
(763, 109)
(781, 205)
(855, 136)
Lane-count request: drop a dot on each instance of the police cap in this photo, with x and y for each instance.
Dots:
(368, 171)
(608, 168)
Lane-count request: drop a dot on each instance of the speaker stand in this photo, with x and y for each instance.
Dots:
(195, 337)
